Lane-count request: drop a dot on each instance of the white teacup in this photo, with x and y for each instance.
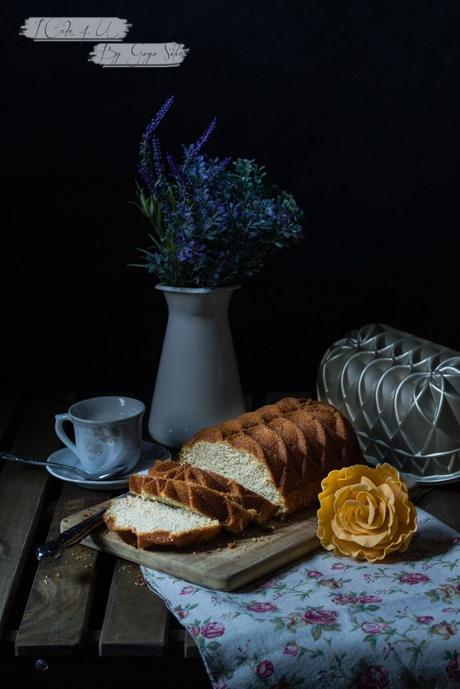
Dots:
(108, 432)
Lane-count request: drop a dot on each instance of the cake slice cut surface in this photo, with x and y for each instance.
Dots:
(194, 497)
(146, 523)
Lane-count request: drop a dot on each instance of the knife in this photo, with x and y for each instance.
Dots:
(73, 535)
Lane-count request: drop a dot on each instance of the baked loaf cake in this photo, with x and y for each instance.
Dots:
(144, 523)
(263, 509)
(281, 451)
(194, 497)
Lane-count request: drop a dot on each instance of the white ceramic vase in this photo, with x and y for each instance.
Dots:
(198, 382)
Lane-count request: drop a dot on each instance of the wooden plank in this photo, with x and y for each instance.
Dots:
(136, 620)
(57, 611)
(22, 491)
(190, 647)
(251, 555)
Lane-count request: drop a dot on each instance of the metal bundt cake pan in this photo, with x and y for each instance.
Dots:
(402, 395)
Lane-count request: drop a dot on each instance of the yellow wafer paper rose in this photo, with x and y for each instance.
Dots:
(365, 512)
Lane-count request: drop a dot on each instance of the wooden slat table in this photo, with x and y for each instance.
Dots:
(87, 618)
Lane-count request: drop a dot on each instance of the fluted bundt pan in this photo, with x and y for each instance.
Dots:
(402, 395)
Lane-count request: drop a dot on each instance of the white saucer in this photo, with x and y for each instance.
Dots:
(150, 453)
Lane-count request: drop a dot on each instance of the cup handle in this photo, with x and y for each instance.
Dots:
(61, 434)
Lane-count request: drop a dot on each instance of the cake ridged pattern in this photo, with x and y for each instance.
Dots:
(208, 479)
(300, 440)
(196, 498)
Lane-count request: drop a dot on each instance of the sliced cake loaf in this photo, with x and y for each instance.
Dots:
(263, 509)
(281, 451)
(195, 498)
(145, 523)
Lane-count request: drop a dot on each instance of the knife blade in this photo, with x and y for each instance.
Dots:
(75, 534)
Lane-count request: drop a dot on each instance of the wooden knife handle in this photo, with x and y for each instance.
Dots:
(69, 537)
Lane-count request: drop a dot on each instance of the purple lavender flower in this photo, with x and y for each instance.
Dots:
(157, 158)
(188, 249)
(220, 167)
(145, 165)
(146, 172)
(203, 139)
(212, 225)
(176, 171)
(153, 124)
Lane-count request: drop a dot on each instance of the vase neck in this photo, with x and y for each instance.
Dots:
(209, 304)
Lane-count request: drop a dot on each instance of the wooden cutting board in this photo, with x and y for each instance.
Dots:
(229, 562)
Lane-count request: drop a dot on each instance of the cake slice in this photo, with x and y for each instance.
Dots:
(263, 509)
(146, 523)
(281, 451)
(193, 497)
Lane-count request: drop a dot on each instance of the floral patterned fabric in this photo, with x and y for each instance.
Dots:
(333, 622)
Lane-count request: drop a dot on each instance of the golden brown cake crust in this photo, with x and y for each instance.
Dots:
(299, 440)
(196, 498)
(263, 508)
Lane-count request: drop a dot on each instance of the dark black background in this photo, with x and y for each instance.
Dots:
(352, 106)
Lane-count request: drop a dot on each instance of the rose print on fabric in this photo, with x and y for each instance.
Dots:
(262, 607)
(331, 583)
(447, 592)
(369, 599)
(444, 629)
(320, 616)
(291, 649)
(385, 625)
(213, 629)
(265, 669)
(183, 611)
(413, 578)
(344, 599)
(374, 627)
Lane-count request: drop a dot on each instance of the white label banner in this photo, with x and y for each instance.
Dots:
(78, 29)
(138, 54)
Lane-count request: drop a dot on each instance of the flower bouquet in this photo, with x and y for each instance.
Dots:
(213, 223)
